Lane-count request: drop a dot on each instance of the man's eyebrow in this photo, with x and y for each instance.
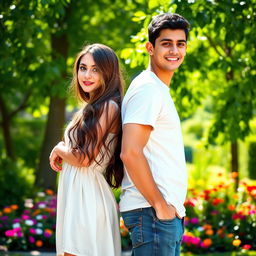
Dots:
(170, 40)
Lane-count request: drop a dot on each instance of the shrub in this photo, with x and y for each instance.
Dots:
(189, 154)
(252, 160)
(15, 182)
(34, 227)
(219, 219)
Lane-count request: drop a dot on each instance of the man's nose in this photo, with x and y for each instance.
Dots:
(174, 49)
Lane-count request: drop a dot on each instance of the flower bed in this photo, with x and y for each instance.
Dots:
(32, 227)
(218, 219)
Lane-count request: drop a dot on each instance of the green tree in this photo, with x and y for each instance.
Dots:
(57, 21)
(228, 28)
(40, 39)
(22, 55)
(221, 49)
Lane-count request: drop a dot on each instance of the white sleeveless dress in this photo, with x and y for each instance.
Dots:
(87, 219)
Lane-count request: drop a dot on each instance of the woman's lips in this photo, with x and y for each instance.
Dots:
(87, 83)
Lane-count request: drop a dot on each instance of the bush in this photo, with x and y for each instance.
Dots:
(34, 227)
(189, 154)
(252, 160)
(16, 182)
(219, 219)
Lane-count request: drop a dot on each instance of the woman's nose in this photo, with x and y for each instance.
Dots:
(87, 73)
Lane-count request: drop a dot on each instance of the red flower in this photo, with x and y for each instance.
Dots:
(237, 216)
(217, 201)
(251, 188)
(190, 202)
(247, 247)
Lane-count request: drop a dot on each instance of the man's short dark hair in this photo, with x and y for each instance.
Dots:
(166, 21)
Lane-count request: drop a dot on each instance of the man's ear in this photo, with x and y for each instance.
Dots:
(150, 48)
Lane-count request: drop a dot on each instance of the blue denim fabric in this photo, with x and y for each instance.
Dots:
(151, 236)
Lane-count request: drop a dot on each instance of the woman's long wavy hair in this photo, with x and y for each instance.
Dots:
(84, 131)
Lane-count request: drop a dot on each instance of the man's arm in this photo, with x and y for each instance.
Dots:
(135, 138)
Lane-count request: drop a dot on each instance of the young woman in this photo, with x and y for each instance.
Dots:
(87, 220)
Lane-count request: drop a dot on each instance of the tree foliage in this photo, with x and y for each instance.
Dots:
(221, 50)
(39, 40)
(220, 64)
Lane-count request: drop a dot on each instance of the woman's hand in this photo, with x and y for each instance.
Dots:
(55, 159)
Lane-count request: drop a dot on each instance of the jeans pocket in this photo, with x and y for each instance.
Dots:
(166, 221)
(162, 220)
(133, 221)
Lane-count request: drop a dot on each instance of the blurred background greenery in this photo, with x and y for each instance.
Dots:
(214, 90)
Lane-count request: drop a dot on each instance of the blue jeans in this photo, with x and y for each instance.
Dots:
(151, 236)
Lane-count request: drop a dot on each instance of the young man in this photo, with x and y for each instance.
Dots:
(155, 182)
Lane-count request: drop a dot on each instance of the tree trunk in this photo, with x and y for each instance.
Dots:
(53, 133)
(234, 162)
(234, 144)
(6, 126)
(46, 177)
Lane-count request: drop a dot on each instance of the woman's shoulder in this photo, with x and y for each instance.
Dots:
(113, 104)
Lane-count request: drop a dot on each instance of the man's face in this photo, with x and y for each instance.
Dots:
(169, 50)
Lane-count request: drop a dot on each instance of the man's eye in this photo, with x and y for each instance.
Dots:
(166, 44)
(181, 44)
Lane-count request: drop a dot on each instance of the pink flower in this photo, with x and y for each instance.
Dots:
(17, 229)
(3, 218)
(194, 221)
(32, 231)
(31, 239)
(25, 217)
(47, 235)
(196, 240)
(9, 233)
(186, 222)
(203, 245)
(191, 240)
(19, 234)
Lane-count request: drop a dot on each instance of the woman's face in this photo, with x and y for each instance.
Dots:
(89, 77)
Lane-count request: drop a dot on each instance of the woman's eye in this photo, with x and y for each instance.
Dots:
(95, 70)
(82, 68)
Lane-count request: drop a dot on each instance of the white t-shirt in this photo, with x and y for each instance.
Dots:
(148, 102)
